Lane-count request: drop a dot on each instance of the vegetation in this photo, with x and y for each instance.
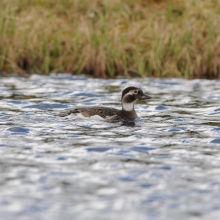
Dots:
(107, 38)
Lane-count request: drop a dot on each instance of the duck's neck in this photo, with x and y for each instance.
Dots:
(128, 109)
(128, 106)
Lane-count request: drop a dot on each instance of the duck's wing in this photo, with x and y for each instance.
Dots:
(104, 112)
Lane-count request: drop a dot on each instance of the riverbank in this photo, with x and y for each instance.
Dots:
(162, 38)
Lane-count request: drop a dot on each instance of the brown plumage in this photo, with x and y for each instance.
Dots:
(91, 111)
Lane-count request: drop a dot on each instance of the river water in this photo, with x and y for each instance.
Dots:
(165, 166)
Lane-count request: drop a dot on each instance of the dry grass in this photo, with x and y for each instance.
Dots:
(163, 38)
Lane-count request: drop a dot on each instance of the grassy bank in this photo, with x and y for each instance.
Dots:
(107, 38)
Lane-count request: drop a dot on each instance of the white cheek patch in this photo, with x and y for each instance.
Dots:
(131, 92)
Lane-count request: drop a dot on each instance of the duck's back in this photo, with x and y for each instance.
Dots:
(103, 112)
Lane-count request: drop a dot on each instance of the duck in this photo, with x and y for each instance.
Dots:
(129, 97)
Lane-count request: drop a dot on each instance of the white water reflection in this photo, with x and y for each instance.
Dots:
(165, 166)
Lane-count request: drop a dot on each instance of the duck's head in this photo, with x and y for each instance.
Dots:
(130, 95)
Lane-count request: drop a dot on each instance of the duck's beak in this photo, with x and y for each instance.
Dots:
(143, 97)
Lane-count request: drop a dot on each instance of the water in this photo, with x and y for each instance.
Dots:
(165, 166)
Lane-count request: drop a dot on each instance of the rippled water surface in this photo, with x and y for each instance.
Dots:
(165, 166)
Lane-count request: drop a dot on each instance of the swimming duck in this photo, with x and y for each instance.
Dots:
(128, 98)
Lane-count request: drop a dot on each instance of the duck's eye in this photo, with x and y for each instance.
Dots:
(135, 92)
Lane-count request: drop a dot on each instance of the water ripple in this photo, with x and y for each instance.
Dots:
(163, 166)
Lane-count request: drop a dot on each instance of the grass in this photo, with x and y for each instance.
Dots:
(146, 38)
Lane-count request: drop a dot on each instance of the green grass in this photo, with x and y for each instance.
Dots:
(145, 38)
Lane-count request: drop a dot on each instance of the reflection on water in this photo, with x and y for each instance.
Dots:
(166, 165)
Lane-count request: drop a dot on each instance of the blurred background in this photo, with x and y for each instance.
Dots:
(110, 38)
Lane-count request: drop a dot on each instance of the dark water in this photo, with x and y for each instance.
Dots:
(166, 166)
